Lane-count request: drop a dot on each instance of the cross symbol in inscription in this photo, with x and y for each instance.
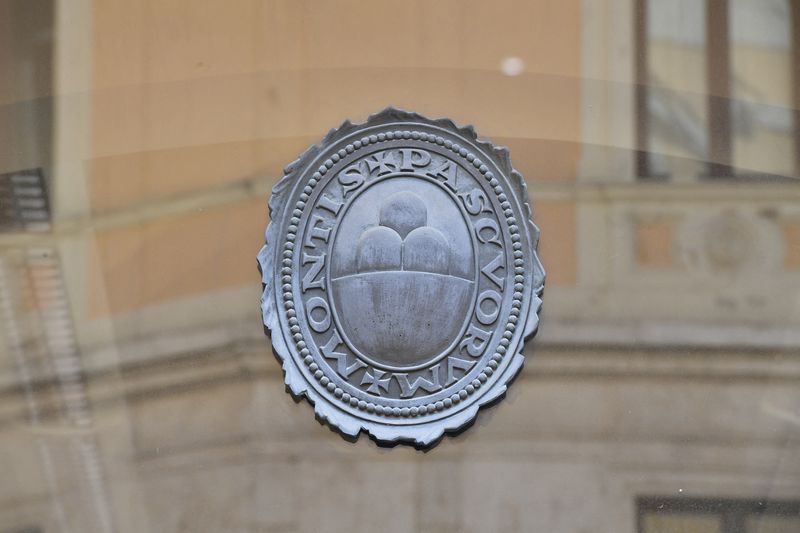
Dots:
(375, 381)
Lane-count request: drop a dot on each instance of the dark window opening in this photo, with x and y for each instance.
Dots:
(26, 85)
(24, 204)
(707, 515)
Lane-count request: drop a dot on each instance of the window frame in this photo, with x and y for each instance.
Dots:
(719, 164)
(733, 512)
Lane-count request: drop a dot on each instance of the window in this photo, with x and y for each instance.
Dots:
(682, 515)
(26, 104)
(716, 88)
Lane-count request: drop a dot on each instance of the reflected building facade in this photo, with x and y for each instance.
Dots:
(140, 141)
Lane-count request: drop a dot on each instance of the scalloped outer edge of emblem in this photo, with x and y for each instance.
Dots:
(425, 434)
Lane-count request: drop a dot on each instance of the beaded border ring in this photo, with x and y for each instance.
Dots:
(424, 424)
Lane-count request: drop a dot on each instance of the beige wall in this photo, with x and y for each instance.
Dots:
(169, 76)
(188, 99)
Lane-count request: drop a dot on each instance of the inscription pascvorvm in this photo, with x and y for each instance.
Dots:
(400, 276)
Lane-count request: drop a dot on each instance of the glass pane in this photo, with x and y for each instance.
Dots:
(677, 107)
(139, 143)
(681, 523)
(761, 79)
(773, 524)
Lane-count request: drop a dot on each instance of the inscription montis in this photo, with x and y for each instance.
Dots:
(400, 276)
(399, 233)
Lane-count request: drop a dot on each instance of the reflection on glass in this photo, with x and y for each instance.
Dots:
(681, 523)
(677, 107)
(773, 524)
(26, 41)
(138, 392)
(761, 86)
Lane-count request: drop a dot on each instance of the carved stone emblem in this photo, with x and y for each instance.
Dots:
(400, 276)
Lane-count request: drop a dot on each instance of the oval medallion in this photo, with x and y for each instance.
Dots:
(400, 276)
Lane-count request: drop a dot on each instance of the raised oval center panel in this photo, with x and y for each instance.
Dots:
(402, 273)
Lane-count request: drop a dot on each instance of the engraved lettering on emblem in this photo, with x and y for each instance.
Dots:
(491, 267)
(321, 324)
(318, 231)
(475, 202)
(446, 172)
(312, 279)
(475, 341)
(383, 161)
(454, 363)
(408, 388)
(489, 317)
(412, 158)
(351, 179)
(328, 352)
(328, 203)
(374, 378)
(489, 224)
